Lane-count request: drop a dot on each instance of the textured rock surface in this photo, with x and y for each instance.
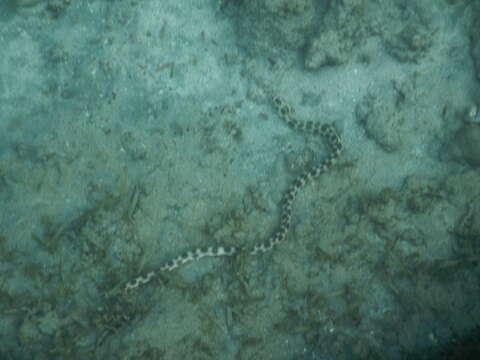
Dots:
(466, 144)
(274, 27)
(475, 42)
(382, 122)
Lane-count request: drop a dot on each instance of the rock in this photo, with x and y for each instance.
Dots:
(27, 3)
(274, 28)
(466, 144)
(326, 49)
(382, 123)
(411, 43)
(475, 43)
(28, 332)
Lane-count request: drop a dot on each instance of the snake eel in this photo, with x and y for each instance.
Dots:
(287, 113)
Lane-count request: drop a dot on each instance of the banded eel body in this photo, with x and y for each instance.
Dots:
(287, 113)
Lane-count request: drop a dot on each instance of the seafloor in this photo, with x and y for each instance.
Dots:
(133, 131)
